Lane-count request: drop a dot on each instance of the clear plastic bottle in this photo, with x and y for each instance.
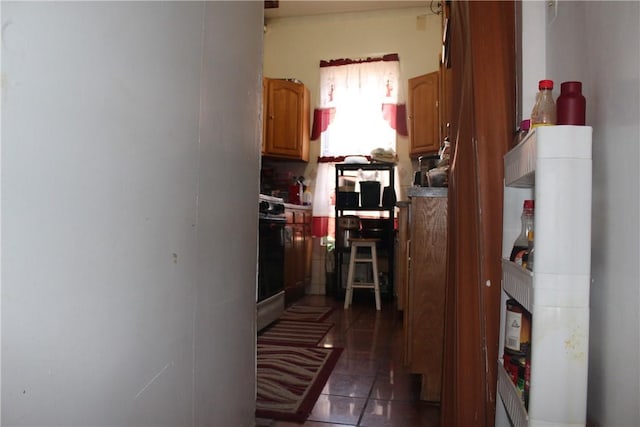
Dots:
(521, 245)
(307, 197)
(544, 110)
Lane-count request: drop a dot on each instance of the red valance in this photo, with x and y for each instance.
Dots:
(320, 226)
(396, 116)
(347, 61)
(321, 120)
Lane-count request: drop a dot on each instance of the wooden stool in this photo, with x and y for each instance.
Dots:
(373, 260)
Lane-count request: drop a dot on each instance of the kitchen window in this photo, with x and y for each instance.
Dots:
(361, 110)
(359, 106)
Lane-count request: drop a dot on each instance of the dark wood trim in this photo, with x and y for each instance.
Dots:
(483, 86)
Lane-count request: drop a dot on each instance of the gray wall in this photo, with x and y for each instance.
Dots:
(130, 159)
(599, 44)
(614, 79)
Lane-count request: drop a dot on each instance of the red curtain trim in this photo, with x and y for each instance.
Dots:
(396, 116)
(320, 226)
(347, 61)
(322, 118)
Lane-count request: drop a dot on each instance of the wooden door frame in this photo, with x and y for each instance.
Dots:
(483, 73)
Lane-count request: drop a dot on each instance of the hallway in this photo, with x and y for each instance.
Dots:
(369, 386)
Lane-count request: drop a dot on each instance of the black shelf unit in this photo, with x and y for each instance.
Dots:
(385, 247)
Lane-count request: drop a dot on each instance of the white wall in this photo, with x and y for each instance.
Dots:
(597, 42)
(128, 259)
(293, 48)
(613, 100)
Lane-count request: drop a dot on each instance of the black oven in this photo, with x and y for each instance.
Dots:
(270, 256)
(270, 292)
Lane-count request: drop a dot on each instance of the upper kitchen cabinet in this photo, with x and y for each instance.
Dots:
(424, 118)
(286, 127)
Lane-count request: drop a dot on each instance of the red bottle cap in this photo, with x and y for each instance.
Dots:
(545, 84)
(528, 204)
(525, 124)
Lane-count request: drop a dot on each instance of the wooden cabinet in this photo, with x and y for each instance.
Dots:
(297, 252)
(424, 116)
(444, 105)
(401, 264)
(286, 120)
(265, 84)
(425, 294)
(444, 96)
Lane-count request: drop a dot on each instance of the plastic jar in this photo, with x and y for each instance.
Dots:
(544, 111)
(571, 104)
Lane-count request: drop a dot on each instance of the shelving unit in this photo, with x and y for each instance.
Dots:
(386, 247)
(553, 166)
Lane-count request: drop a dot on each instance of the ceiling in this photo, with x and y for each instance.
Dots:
(289, 8)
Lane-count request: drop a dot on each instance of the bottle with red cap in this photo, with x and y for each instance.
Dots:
(544, 110)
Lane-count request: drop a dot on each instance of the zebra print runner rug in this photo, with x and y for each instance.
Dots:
(306, 313)
(290, 379)
(289, 332)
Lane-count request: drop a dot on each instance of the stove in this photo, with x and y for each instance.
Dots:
(270, 292)
(270, 207)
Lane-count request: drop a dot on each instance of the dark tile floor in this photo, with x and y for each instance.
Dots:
(369, 385)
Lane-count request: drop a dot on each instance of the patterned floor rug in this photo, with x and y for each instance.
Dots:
(292, 332)
(290, 379)
(306, 313)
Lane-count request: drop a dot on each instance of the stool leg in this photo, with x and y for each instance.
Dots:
(376, 284)
(352, 261)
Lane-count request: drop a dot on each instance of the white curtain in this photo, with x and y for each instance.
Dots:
(324, 195)
(355, 92)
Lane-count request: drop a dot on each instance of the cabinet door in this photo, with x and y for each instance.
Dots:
(423, 114)
(402, 255)
(308, 248)
(289, 251)
(444, 104)
(287, 127)
(264, 112)
(297, 254)
(300, 252)
(426, 292)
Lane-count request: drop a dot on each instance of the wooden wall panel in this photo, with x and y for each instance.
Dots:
(482, 125)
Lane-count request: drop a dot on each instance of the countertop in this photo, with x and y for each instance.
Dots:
(295, 206)
(416, 191)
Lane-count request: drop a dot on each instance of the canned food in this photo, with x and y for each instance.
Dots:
(517, 337)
